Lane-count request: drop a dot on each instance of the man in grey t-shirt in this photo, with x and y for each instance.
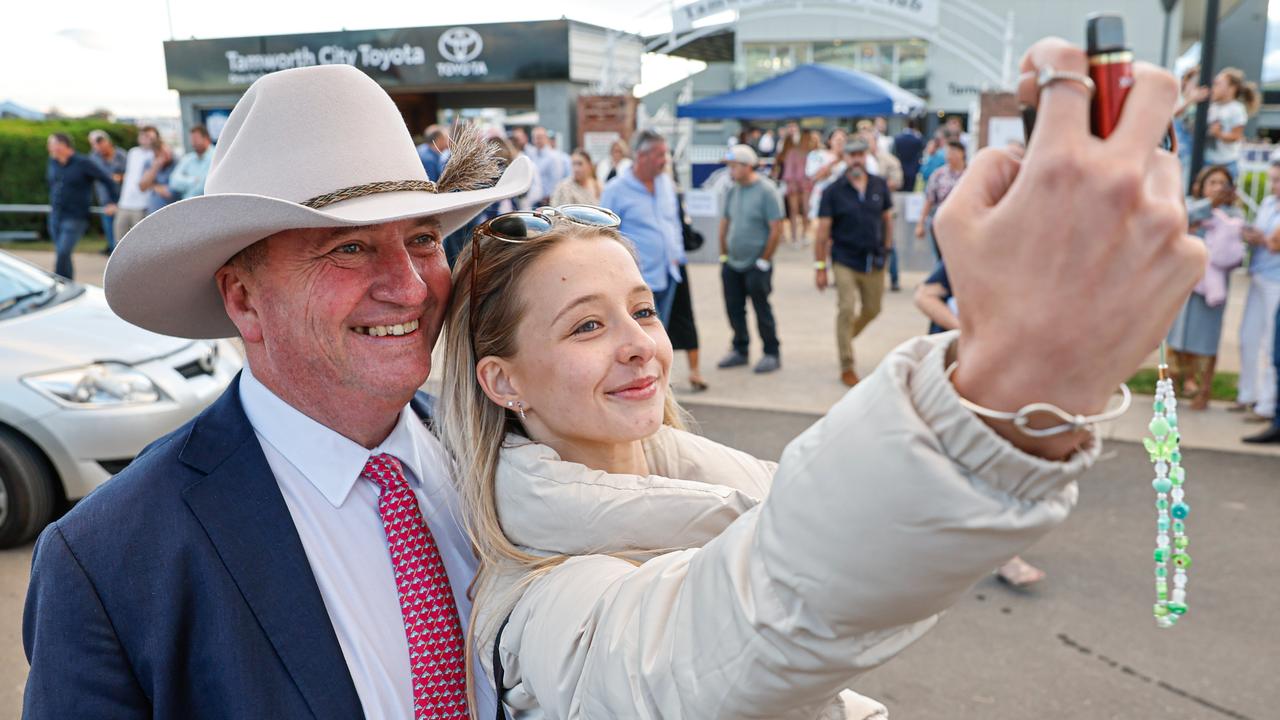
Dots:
(749, 230)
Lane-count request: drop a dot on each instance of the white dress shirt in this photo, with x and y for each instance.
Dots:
(336, 515)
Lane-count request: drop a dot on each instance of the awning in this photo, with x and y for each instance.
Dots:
(808, 91)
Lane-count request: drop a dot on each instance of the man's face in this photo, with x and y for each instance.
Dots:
(443, 141)
(346, 315)
(519, 138)
(199, 142)
(651, 161)
(147, 139)
(856, 162)
(739, 172)
(103, 146)
(540, 137)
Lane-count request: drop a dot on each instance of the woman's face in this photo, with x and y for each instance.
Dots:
(581, 170)
(615, 153)
(593, 357)
(836, 144)
(1216, 188)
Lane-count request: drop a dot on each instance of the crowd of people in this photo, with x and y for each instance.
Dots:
(129, 185)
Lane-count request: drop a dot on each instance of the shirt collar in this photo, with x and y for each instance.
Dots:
(329, 460)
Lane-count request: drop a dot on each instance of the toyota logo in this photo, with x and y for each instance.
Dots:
(460, 44)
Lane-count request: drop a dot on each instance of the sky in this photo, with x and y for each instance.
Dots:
(78, 56)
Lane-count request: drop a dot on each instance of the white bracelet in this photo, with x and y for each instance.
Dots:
(1022, 417)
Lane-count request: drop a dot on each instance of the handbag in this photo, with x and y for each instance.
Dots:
(693, 239)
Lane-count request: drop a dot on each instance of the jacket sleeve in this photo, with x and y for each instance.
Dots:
(78, 667)
(880, 516)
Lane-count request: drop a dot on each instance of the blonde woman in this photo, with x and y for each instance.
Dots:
(580, 188)
(630, 568)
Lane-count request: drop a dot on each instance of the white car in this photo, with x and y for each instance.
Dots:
(82, 392)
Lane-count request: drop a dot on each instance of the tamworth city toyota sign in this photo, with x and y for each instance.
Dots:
(407, 57)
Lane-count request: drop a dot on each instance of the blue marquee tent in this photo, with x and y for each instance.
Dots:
(808, 91)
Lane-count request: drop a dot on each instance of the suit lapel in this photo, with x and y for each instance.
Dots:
(240, 507)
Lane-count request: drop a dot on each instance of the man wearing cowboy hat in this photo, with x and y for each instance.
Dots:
(294, 551)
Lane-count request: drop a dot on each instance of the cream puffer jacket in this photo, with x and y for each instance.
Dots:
(754, 590)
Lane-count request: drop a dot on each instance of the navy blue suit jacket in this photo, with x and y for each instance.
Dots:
(180, 589)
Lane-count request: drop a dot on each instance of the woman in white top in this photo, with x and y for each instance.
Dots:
(581, 188)
(1234, 101)
(631, 569)
(823, 166)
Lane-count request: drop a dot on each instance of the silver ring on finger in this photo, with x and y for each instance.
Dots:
(1048, 75)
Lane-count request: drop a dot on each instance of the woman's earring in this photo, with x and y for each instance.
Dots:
(519, 407)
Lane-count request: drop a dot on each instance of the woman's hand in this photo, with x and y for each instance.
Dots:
(1252, 235)
(920, 229)
(1072, 263)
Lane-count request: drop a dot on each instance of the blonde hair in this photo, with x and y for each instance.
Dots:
(473, 428)
(1246, 92)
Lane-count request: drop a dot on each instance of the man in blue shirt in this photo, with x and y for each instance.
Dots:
(188, 176)
(855, 235)
(434, 151)
(644, 197)
(553, 164)
(71, 177)
(908, 146)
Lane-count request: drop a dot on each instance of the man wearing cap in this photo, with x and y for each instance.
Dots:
(855, 234)
(749, 230)
(111, 160)
(294, 551)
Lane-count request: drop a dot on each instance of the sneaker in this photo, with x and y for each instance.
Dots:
(895, 288)
(768, 364)
(733, 359)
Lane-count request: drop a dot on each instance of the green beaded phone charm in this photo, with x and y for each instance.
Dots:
(1171, 530)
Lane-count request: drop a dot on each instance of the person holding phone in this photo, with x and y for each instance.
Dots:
(630, 568)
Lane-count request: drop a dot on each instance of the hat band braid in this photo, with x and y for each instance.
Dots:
(373, 188)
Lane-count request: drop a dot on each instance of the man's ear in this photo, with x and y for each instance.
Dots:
(240, 299)
(496, 380)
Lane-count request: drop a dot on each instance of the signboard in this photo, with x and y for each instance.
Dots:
(923, 13)
(403, 57)
(700, 203)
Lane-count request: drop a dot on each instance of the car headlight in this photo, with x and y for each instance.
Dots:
(105, 384)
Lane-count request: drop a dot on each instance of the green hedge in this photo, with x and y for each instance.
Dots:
(24, 158)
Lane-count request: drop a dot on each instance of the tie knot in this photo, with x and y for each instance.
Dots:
(384, 471)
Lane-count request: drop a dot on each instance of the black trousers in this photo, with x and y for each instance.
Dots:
(755, 284)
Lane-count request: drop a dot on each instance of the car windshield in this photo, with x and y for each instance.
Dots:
(21, 284)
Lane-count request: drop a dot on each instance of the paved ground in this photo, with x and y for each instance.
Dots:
(1081, 645)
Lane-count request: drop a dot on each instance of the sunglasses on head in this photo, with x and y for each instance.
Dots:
(528, 225)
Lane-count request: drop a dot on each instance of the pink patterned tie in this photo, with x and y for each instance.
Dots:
(426, 601)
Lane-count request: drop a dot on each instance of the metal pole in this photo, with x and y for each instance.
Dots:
(1168, 6)
(1208, 47)
(1164, 40)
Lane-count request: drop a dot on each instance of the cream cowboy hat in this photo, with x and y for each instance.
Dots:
(306, 148)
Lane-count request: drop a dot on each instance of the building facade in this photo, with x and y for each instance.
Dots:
(528, 66)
